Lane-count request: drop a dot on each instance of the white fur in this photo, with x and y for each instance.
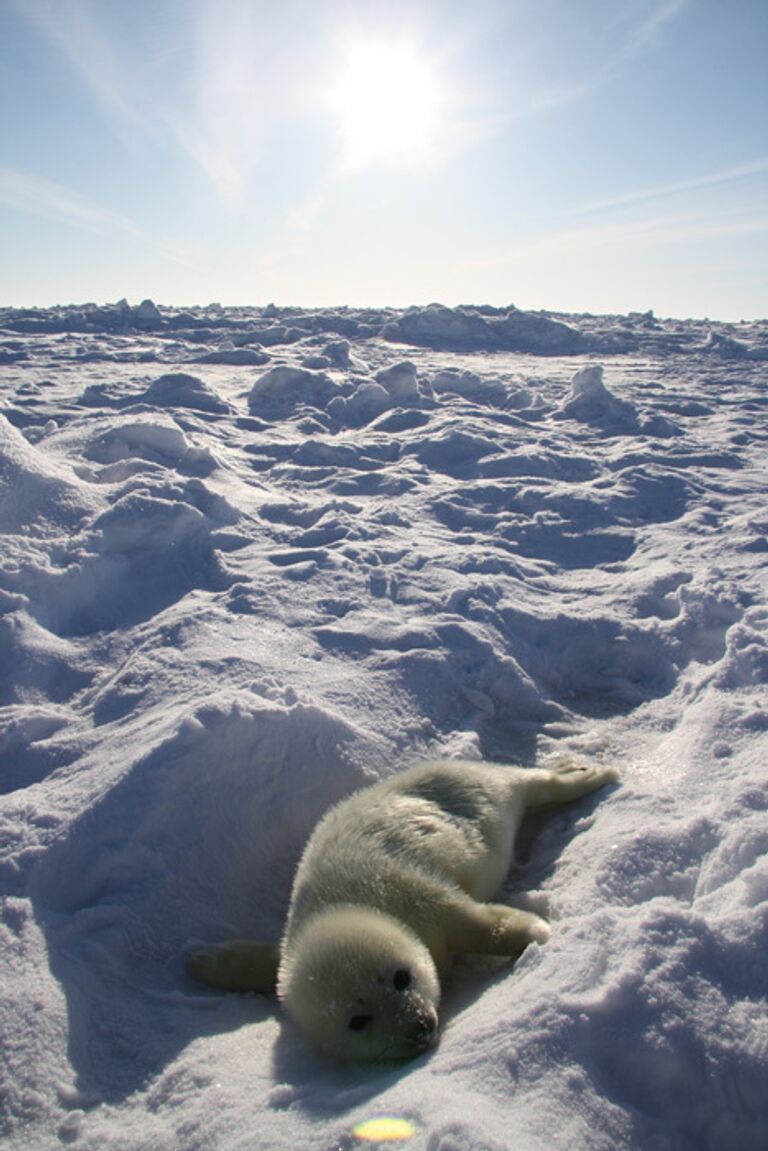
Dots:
(391, 881)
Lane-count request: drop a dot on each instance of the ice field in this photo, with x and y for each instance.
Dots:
(255, 558)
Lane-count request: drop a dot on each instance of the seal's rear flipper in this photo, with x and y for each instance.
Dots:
(237, 965)
(565, 781)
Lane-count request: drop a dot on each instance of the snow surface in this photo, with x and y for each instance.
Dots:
(234, 588)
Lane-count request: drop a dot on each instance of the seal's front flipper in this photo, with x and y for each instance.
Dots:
(237, 965)
(494, 929)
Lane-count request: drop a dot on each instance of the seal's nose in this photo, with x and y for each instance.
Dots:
(422, 1029)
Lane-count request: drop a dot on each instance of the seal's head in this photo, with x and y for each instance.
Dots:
(361, 984)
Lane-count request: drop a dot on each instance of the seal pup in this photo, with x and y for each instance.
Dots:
(394, 881)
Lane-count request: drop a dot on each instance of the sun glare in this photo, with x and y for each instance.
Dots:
(388, 102)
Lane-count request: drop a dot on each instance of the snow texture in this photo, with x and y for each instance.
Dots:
(256, 558)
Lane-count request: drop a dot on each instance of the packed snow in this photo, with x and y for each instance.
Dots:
(256, 558)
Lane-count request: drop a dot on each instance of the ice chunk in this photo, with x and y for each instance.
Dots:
(591, 402)
(181, 390)
(400, 382)
(284, 388)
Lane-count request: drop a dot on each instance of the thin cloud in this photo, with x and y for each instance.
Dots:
(122, 98)
(215, 158)
(71, 30)
(643, 36)
(36, 196)
(666, 230)
(757, 167)
(647, 33)
(239, 88)
(26, 192)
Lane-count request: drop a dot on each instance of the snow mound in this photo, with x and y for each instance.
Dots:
(452, 381)
(339, 354)
(139, 556)
(180, 390)
(464, 329)
(368, 400)
(237, 356)
(36, 489)
(283, 389)
(174, 852)
(590, 402)
(171, 390)
(147, 314)
(400, 381)
(126, 440)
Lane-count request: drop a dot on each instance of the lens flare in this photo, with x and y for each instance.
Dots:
(383, 1130)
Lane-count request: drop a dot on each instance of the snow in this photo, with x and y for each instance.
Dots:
(234, 589)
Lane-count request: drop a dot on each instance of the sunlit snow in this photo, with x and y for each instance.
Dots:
(254, 558)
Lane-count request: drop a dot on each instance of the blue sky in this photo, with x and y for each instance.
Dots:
(582, 155)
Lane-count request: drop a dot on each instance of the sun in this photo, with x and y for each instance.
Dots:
(388, 101)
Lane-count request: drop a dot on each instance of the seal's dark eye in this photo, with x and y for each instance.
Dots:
(402, 979)
(359, 1022)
